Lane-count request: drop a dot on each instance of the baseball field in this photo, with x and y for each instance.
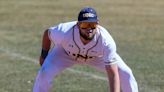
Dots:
(137, 26)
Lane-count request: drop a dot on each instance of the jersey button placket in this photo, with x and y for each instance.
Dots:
(83, 51)
(82, 54)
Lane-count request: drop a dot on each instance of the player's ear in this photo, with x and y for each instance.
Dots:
(78, 23)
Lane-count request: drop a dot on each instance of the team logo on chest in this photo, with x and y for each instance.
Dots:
(77, 53)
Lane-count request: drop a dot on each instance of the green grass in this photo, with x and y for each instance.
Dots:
(136, 26)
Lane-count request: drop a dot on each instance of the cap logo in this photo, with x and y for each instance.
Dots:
(88, 15)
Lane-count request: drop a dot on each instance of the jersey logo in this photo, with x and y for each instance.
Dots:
(79, 56)
(84, 57)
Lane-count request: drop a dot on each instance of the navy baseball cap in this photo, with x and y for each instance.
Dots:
(88, 14)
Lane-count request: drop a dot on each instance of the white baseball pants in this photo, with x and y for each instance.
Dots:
(57, 61)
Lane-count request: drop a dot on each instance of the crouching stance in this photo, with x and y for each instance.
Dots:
(82, 42)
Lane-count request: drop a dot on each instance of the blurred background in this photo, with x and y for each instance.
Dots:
(136, 26)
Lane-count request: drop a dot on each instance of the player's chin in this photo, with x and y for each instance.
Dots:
(89, 37)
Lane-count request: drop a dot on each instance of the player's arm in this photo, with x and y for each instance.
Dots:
(111, 65)
(113, 77)
(46, 44)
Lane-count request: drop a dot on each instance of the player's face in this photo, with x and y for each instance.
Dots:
(87, 29)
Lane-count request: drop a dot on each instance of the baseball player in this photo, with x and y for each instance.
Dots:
(82, 42)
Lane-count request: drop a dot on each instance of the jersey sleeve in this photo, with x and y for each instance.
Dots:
(109, 54)
(56, 34)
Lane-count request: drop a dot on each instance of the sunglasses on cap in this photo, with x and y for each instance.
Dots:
(86, 25)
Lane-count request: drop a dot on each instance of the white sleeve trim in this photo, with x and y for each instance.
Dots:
(111, 63)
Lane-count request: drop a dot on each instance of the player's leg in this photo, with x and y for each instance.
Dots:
(128, 82)
(54, 64)
(127, 79)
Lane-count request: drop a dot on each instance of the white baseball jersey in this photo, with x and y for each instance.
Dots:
(102, 46)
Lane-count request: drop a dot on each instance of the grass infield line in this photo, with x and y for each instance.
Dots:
(20, 56)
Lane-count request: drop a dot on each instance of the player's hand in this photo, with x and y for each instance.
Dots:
(41, 61)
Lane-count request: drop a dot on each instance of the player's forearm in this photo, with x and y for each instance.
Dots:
(46, 43)
(113, 78)
(114, 84)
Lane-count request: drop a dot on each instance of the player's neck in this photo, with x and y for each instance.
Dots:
(84, 41)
